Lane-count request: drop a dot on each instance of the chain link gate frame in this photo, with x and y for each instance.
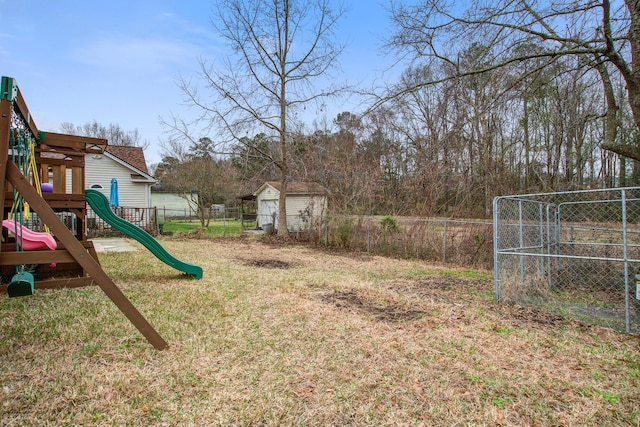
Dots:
(572, 253)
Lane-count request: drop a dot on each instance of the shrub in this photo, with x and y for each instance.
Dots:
(389, 224)
(345, 233)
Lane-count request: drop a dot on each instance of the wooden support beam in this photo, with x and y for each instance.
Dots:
(72, 282)
(74, 142)
(59, 179)
(75, 161)
(77, 180)
(82, 256)
(60, 203)
(35, 257)
(23, 112)
(5, 129)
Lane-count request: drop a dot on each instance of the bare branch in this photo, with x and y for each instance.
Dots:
(432, 32)
(277, 51)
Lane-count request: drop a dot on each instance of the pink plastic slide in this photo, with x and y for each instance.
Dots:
(31, 240)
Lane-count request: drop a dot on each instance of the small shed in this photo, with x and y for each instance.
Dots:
(306, 204)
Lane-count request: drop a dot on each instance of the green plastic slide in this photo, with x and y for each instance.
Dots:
(100, 205)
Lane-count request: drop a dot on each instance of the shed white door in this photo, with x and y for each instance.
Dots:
(268, 208)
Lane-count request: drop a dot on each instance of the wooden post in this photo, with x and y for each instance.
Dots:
(5, 129)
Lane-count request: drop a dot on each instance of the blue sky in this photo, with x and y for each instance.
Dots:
(116, 61)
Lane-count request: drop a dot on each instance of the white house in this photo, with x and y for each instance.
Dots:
(306, 204)
(129, 167)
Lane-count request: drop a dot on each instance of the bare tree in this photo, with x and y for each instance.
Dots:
(197, 176)
(113, 133)
(279, 52)
(345, 162)
(254, 168)
(603, 34)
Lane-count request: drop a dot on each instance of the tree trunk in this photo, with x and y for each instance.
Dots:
(283, 51)
(611, 117)
(282, 206)
(631, 75)
(284, 167)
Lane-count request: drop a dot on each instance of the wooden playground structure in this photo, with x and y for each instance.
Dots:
(54, 162)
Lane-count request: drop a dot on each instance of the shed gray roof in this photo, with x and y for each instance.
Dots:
(306, 188)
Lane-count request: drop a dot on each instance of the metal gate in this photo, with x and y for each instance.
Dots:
(573, 253)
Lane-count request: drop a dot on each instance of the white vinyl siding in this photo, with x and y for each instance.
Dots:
(297, 205)
(269, 193)
(268, 211)
(267, 202)
(99, 169)
(304, 207)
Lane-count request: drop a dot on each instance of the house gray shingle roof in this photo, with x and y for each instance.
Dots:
(132, 155)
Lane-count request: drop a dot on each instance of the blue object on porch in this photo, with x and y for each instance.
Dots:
(113, 195)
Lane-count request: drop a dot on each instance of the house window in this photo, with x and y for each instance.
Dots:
(97, 186)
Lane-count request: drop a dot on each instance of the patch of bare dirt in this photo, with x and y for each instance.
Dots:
(278, 241)
(519, 315)
(449, 283)
(269, 263)
(352, 301)
(447, 289)
(452, 289)
(442, 288)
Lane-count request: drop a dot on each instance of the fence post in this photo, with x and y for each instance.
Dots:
(627, 302)
(548, 238)
(326, 234)
(496, 248)
(571, 246)
(521, 241)
(444, 243)
(369, 234)
(155, 218)
(541, 239)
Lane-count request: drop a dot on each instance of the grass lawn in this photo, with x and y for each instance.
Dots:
(217, 227)
(289, 335)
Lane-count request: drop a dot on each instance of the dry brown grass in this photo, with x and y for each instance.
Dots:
(288, 335)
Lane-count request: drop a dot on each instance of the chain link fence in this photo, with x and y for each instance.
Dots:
(189, 214)
(459, 242)
(574, 253)
(465, 243)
